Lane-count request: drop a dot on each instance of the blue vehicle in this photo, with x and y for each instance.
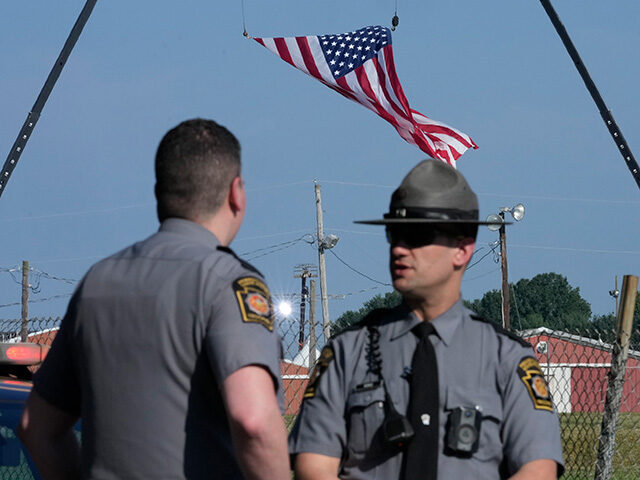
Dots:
(15, 385)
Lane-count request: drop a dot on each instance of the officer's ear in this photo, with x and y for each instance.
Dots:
(237, 197)
(463, 251)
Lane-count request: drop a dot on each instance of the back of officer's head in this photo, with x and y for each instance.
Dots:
(195, 165)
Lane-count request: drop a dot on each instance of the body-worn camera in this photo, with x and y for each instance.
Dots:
(463, 433)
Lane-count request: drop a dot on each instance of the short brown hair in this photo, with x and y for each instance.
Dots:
(195, 164)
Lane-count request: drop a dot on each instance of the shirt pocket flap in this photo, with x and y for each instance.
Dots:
(489, 403)
(362, 399)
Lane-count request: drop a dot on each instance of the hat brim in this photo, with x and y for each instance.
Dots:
(392, 221)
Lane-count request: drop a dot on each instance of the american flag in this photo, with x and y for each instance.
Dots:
(359, 65)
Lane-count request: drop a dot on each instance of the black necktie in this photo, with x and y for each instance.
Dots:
(421, 458)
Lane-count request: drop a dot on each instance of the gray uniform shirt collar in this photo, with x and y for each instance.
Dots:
(445, 325)
(193, 230)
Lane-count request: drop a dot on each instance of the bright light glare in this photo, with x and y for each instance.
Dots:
(284, 308)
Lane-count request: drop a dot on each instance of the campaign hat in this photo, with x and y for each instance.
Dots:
(433, 192)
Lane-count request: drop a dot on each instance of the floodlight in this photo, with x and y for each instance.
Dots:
(330, 241)
(494, 218)
(517, 212)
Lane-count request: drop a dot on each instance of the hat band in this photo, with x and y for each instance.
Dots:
(432, 213)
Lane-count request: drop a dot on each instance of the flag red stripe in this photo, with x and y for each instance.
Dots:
(283, 50)
(446, 131)
(307, 57)
(382, 74)
(393, 77)
(363, 81)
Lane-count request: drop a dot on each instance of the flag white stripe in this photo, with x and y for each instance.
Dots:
(296, 55)
(449, 140)
(354, 86)
(271, 45)
(383, 63)
(383, 100)
(420, 118)
(320, 61)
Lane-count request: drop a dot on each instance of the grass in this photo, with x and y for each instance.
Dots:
(580, 432)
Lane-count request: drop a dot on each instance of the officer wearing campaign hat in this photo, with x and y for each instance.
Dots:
(427, 390)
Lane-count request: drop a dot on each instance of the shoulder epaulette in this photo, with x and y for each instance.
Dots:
(373, 318)
(244, 263)
(502, 331)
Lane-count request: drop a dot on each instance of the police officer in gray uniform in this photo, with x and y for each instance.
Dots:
(428, 389)
(168, 351)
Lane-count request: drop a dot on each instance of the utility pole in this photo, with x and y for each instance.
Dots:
(312, 324)
(506, 323)
(24, 331)
(326, 327)
(303, 272)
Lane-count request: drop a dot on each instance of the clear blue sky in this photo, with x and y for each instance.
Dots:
(496, 70)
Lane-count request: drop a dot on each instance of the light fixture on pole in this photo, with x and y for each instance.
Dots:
(324, 243)
(517, 212)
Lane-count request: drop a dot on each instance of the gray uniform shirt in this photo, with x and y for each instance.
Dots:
(478, 365)
(150, 335)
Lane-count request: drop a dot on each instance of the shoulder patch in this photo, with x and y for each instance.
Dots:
(254, 301)
(531, 375)
(326, 357)
(503, 331)
(244, 263)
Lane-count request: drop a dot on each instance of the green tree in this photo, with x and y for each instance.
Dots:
(545, 300)
(350, 317)
(605, 326)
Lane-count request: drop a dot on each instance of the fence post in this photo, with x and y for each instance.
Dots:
(312, 325)
(607, 442)
(24, 324)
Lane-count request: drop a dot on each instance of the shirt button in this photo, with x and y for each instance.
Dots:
(380, 404)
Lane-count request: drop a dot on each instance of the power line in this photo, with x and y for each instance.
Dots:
(276, 248)
(561, 199)
(583, 250)
(465, 279)
(78, 212)
(493, 249)
(357, 271)
(332, 296)
(282, 185)
(269, 235)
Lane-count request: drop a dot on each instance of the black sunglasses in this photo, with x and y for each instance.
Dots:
(411, 235)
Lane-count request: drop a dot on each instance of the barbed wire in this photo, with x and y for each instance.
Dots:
(41, 273)
(38, 300)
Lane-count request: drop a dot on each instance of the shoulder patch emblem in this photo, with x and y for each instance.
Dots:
(326, 357)
(531, 375)
(254, 301)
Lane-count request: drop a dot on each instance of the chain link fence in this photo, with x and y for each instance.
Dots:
(576, 364)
